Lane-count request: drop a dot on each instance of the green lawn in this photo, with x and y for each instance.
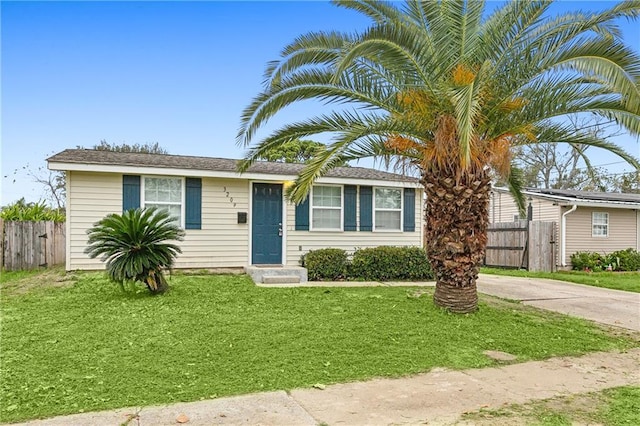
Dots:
(611, 407)
(89, 346)
(628, 281)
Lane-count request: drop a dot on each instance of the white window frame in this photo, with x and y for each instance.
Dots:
(143, 201)
(401, 209)
(341, 208)
(604, 224)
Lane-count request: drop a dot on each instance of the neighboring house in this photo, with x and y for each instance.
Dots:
(587, 221)
(235, 220)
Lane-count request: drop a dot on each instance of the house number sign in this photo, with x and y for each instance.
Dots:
(224, 189)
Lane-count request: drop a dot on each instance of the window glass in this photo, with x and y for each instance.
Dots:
(164, 193)
(388, 198)
(600, 224)
(327, 196)
(388, 209)
(326, 219)
(387, 220)
(326, 207)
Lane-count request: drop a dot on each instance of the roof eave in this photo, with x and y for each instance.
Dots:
(166, 171)
(569, 201)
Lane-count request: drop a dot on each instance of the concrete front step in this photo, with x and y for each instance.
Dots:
(281, 279)
(276, 274)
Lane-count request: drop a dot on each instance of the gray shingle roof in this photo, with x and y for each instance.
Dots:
(568, 196)
(588, 195)
(111, 158)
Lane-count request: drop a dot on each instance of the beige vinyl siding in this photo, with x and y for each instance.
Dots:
(301, 242)
(623, 231)
(90, 197)
(222, 241)
(502, 208)
(545, 210)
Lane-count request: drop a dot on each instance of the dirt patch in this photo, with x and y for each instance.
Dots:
(620, 332)
(578, 409)
(47, 278)
(209, 271)
(500, 356)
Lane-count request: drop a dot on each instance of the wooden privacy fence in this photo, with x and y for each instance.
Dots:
(31, 245)
(523, 245)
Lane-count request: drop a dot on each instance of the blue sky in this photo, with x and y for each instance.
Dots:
(176, 73)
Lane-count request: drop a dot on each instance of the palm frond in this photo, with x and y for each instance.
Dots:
(134, 243)
(562, 133)
(378, 11)
(530, 72)
(515, 184)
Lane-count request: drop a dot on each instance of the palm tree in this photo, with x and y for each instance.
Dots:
(444, 88)
(134, 246)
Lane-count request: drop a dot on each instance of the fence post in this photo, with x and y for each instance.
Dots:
(525, 262)
(43, 240)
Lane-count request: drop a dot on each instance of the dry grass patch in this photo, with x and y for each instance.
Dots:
(611, 407)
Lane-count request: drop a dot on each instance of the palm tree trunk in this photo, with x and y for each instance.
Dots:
(156, 282)
(457, 216)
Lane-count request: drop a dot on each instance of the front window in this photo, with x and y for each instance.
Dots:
(326, 207)
(164, 193)
(388, 209)
(599, 224)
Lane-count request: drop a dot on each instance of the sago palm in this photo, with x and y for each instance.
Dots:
(449, 90)
(134, 245)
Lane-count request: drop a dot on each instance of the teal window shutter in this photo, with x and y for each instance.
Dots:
(366, 208)
(302, 216)
(193, 204)
(130, 192)
(350, 194)
(409, 210)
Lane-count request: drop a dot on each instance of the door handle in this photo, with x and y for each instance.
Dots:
(279, 229)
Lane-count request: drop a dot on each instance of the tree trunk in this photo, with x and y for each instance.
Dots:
(156, 282)
(457, 216)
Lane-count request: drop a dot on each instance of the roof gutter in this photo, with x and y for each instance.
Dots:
(563, 237)
(569, 201)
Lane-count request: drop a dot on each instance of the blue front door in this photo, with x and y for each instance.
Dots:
(266, 228)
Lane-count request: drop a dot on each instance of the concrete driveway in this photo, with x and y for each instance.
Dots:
(612, 307)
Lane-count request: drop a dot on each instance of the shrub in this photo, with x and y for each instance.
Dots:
(135, 246)
(390, 263)
(587, 260)
(23, 211)
(325, 264)
(624, 260)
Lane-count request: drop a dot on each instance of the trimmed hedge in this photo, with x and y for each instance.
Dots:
(325, 264)
(390, 263)
(379, 263)
(621, 260)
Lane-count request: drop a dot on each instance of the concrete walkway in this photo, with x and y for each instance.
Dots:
(437, 397)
